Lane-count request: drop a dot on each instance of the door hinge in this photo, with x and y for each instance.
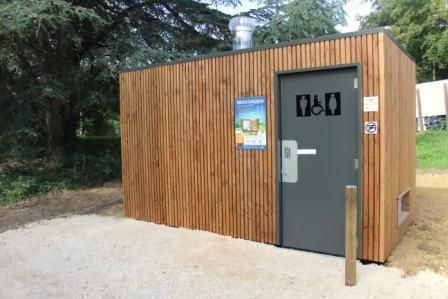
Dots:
(356, 163)
(355, 83)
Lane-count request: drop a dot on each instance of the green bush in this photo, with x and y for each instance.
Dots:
(95, 145)
(96, 160)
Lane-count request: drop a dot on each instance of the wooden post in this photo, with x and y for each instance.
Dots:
(351, 194)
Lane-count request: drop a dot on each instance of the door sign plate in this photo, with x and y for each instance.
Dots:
(310, 105)
(289, 161)
(371, 104)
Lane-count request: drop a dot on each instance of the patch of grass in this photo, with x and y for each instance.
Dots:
(432, 149)
(92, 164)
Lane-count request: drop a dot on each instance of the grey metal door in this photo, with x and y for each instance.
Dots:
(319, 132)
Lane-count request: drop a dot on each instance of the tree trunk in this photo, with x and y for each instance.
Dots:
(434, 71)
(62, 122)
(71, 123)
(55, 130)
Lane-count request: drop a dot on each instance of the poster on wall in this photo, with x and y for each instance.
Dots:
(250, 122)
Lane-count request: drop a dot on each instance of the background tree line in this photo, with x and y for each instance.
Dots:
(60, 59)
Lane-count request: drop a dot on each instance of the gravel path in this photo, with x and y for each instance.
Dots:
(111, 257)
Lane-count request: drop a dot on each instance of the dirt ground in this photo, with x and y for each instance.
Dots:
(106, 200)
(425, 244)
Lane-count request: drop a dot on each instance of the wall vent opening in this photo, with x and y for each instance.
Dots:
(403, 207)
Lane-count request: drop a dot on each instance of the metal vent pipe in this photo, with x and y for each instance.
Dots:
(242, 29)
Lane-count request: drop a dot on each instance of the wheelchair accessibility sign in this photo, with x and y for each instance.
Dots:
(371, 127)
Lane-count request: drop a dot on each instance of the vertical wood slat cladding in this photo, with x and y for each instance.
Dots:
(181, 166)
(397, 142)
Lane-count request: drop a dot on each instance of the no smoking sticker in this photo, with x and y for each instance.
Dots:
(371, 127)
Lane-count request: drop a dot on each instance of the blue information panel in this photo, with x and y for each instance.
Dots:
(250, 122)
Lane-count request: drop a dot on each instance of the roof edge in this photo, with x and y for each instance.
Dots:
(389, 35)
(279, 45)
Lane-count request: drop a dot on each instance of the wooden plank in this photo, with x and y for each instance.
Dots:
(193, 137)
(222, 136)
(168, 207)
(343, 49)
(138, 140)
(162, 200)
(264, 183)
(236, 203)
(327, 53)
(257, 173)
(208, 135)
(289, 56)
(337, 51)
(239, 158)
(147, 144)
(367, 57)
(376, 148)
(318, 54)
(312, 55)
(323, 54)
(294, 55)
(201, 215)
(130, 140)
(183, 125)
(173, 116)
(131, 143)
(382, 97)
(332, 52)
(154, 139)
(213, 196)
(350, 234)
(272, 68)
(229, 131)
(308, 55)
(151, 144)
(248, 61)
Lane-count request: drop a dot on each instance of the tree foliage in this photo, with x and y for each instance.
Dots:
(58, 58)
(297, 19)
(421, 27)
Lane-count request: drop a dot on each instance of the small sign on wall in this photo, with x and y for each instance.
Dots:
(250, 122)
(371, 127)
(371, 104)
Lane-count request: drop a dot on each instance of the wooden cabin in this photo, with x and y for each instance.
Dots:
(331, 111)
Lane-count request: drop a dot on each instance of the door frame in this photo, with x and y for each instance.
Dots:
(278, 139)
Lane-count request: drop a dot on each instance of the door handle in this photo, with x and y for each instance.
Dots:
(289, 171)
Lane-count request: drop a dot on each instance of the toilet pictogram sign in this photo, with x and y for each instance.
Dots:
(309, 106)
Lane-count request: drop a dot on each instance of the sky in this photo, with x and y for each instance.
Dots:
(353, 8)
